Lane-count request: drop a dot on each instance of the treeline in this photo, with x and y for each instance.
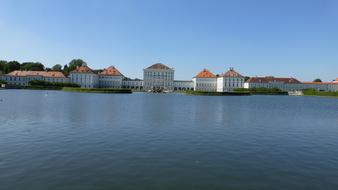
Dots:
(9, 66)
(271, 91)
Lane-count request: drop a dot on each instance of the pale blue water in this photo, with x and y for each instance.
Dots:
(61, 140)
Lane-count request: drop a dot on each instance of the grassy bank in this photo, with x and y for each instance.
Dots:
(98, 90)
(262, 91)
(312, 92)
(202, 93)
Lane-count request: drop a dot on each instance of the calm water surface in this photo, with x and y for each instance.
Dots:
(61, 140)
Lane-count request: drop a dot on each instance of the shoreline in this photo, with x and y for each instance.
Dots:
(193, 93)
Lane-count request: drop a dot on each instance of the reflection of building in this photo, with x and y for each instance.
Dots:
(21, 78)
(85, 77)
(158, 76)
(110, 78)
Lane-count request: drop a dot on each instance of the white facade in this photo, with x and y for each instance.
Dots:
(132, 84)
(22, 78)
(321, 86)
(85, 80)
(289, 84)
(106, 81)
(158, 76)
(328, 86)
(183, 85)
(280, 85)
(229, 81)
(284, 84)
(205, 84)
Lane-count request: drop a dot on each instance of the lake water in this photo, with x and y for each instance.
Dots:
(60, 140)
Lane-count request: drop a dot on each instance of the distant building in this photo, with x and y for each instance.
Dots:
(183, 85)
(22, 78)
(110, 78)
(85, 77)
(136, 84)
(284, 84)
(289, 84)
(226, 82)
(229, 81)
(322, 86)
(159, 77)
(205, 81)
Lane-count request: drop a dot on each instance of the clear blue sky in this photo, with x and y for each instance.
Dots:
(296, 38)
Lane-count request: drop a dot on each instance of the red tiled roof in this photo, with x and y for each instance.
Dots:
(273, 79)
(319, 82)
(37, 73)
(159, 66)
(231, 73)
(111, 71)
(83, 69)
(205, 73)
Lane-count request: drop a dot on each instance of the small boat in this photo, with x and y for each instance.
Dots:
(295, 93)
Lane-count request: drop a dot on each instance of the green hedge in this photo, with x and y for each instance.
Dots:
(269, 91)
(313, 92)
(3, 82)
(203, 93)
(35, 87)
(98, 90)
(51, 84)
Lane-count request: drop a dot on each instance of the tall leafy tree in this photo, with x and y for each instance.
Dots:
(317, 80)
(32, 66)
(75, 63)
(2, 65)
(57, 67)
(12, 66)
(65, 70)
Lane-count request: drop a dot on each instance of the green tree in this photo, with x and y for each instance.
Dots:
(246, 78)
(2, 65)
(57, 67)
(66, 70)
(12, 66)
(32, 66)
(75, 63)
(317, 80)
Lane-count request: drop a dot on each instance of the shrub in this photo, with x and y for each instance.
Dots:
(51, 84)
(2, 82)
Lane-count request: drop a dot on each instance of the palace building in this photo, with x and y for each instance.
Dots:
(110, 78)
(22, 78)
(158, 77)
(85, 77)
(205, 81)
(285, 84)
(227, 82)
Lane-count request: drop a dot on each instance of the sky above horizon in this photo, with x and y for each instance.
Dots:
(282, 38)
